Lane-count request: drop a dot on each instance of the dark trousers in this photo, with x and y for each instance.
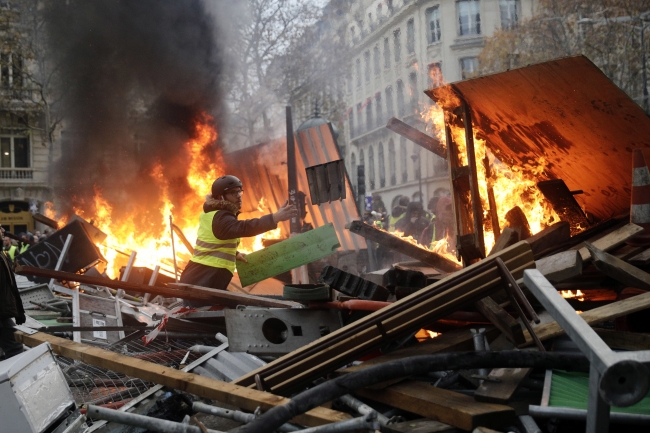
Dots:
(10, 347)
(205, 276)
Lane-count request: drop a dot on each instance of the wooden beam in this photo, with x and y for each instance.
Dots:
(597, 315)
(618, 269)
(624, 340)
(420, 138)
(245, 398)
(184, 291)
(405, 316)
(446, 406)
(508, 237)
(45, 220)
(501, 319)
(405, 247)
(549, 237)
(560, 266)
(642, 259)
(610, 241)
(501, 384)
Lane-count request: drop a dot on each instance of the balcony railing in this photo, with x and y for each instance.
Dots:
(16, 173)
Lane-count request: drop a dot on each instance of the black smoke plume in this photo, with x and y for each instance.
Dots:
(136, 76)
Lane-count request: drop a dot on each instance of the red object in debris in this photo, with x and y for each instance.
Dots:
(640, 202)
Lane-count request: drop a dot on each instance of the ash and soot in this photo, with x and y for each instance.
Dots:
(141, 106)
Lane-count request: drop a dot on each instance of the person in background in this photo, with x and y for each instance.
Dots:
(215, 254)
(414, 221)
(428, 235)
(9, 248)
(397, 213)
(11, 306)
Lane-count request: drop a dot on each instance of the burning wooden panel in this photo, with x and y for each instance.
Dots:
(564, 116)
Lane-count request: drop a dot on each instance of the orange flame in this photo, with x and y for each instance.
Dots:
(512, 187)
(424, 334)
(568, 294)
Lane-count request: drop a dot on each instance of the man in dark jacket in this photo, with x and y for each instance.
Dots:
(215, 253)
(10, 306)
(414, 221)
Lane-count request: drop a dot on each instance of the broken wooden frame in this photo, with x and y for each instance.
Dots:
(388, 324)
(420, 138)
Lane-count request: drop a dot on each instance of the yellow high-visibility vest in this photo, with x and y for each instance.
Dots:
(393, 220)
(211, 251)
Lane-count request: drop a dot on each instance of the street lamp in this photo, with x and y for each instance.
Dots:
(416, 157)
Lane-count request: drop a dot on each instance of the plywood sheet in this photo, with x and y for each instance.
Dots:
(567, 113)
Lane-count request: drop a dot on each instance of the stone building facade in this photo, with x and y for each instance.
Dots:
(398, 49)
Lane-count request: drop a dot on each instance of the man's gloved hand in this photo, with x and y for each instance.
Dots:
(20, 319)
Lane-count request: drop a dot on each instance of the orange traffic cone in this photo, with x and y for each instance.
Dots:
(640, 204)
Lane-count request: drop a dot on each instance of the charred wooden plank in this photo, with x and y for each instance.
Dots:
(618, 269)
(205, 387)
(550, 236)
(501, 384)
(564, 203)
(45, 220)
(560, 266)
(184, 291)
(508, 237)
(405, 247)
(420, 138)
(501, 319)
(517, 218)
(642, 259)
(609, 241)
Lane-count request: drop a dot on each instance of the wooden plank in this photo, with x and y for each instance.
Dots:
(501, 319)
(508, 237)
(505, 382)
(560, 266)
(564, 203)
(184, 291)
(405, 247)
(610, 241)
(597, 315)
(549, 237)
(624, 340)
(420, 138)
(446, 406)
(642, 259)
(618, 269)
(454, 341)
(288, 254)
(404, 316)
(245, 398)
(422, 425)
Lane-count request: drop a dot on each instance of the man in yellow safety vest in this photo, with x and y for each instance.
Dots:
(215, 252)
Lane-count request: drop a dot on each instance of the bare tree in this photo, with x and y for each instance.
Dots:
(608, 32)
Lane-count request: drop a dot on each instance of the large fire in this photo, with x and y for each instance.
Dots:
(512, 187)
(153, 246)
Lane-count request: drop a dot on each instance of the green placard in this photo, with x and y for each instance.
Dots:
(288, 254)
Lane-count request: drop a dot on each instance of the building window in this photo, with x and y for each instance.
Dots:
(358, 72)
(368, 109)
(469, 17)
(413, 91)
(410, 36)
(433, 18)
(390, 111)
(509, 13)
(382, 167)
(351, 123)
(435, 75)
(15, 150)
(379, 110)
(403, 159)
(353, 166)
(392, 162)
(11, 70)
(366, 61)
(468, 67)
(397, 43)
(400, 98)
(377, 60)
(371, 167)
(386, 53)
(359, 118)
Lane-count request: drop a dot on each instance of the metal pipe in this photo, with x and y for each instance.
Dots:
(366, 422)
(413, 366)
(581, 415)
(479, 346)
(129, 266)
(236, 415)
(362, 408)
(146, 422)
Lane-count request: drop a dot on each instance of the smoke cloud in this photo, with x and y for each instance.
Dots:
(136, 77)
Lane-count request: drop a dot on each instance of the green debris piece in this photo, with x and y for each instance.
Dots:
(288, 254)
(571, 389)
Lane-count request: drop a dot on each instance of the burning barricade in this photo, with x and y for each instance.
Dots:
(544, 249)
